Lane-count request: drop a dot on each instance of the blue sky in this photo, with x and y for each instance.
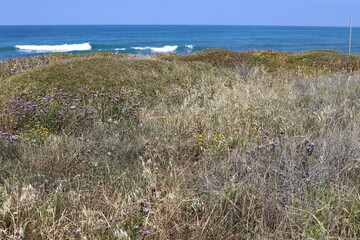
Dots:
(218, 12)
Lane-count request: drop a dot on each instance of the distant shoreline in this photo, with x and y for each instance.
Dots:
(160, 53)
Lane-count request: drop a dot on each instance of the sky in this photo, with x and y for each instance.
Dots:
(187, 12)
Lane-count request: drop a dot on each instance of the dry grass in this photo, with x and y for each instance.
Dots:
(218, 154)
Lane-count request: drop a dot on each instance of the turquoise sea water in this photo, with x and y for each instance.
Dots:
(18, 41)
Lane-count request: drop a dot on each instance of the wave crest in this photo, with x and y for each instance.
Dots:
(164, 49)
(55, 48)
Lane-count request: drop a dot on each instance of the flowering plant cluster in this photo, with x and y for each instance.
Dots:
(32, 117)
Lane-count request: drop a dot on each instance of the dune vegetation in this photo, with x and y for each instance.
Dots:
(211, 145)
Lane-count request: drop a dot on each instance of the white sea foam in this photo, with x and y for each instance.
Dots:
(141, 48)
(164, 49)
(120, 49)
(190, 46)
(55, 48)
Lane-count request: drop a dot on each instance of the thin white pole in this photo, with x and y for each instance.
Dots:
(350, 34)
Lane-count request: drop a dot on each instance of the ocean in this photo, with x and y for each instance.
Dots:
(19, 41)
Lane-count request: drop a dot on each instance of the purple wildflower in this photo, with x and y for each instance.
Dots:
(146, 210)
(144, 202)
(145, 232)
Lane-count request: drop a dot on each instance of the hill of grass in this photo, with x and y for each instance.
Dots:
(150, 77)
(314, 61)
(211, 145)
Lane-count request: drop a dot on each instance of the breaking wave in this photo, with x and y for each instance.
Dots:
(164, 49)
(55, 48)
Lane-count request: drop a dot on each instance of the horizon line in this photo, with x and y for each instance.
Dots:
(245, 25)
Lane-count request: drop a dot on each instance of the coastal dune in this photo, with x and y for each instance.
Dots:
(215, 144)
